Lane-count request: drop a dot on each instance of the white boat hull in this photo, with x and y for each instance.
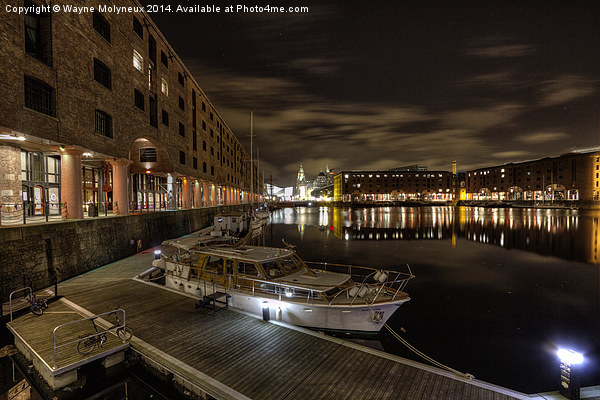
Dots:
(346, 318)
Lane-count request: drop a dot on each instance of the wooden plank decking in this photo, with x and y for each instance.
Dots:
(234, 355)
(37, 333)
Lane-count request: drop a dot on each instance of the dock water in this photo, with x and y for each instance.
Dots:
(232, 355)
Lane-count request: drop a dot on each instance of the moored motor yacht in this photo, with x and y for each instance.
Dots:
(277, 284)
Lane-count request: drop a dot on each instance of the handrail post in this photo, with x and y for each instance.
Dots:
(10, 299)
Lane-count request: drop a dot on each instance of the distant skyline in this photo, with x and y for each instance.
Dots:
(378, 85)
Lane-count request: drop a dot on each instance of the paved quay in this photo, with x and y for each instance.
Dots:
(232, 355)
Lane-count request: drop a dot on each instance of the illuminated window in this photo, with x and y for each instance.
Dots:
(138, 61)
(164, 87)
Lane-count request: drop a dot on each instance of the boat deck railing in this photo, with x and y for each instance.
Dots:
(366, 288)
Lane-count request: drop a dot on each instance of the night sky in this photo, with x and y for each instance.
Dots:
(378, 85)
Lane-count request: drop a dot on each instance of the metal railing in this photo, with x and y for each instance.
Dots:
(100, 331)
(290, 291)
(10, 297)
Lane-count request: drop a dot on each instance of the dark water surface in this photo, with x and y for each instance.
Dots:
(496, 292)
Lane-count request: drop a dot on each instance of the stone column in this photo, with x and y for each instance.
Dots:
(213, 195)
(197, 195)
(11, 199)
(206, 194)
(71, 192)
(120, 188)
(185, 192)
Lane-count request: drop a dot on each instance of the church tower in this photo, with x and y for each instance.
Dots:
(301, 184)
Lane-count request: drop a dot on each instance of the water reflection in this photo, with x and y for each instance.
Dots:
(568, 234)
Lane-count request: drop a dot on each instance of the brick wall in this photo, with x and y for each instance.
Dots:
(75, 247)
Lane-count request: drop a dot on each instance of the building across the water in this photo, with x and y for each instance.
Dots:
(319, 188)
(572, 176)
(391, 185)
(98, 110)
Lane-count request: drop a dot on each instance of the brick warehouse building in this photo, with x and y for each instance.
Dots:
(392, 185)
(573, 176)
(97, 108)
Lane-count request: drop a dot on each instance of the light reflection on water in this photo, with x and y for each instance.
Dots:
(496, 290)
(568, 234)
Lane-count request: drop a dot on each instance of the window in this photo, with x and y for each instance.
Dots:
(212, 151)
(164, 87)
(38, 35)
(181, 79)
(203, 107)
(101, 25)
(182, 129)
(211, 116)
(102, 73)
(204, 126)
(181, 103)
(153, 112)
(148, 154)
(139, 99)
(165, 118)
(152, 49)
(212, 134)
(212, 170)
(194, 140)
(138, 61)
(247, 268)
(39, 96)
(204, 145)
(138, 28)
(203, 167)
(181, 157)
(164, 59)
(195, 163)
(103, 124)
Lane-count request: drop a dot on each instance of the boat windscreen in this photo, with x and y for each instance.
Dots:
(290, 264)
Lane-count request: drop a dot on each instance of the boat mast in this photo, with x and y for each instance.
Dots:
(251, 163)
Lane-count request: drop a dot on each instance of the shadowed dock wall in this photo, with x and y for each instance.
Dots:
(33, 254)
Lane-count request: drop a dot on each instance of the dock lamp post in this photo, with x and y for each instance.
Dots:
(157, 254)
(569, 373)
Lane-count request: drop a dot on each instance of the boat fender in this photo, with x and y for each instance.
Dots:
(362, 291)
(353, 291)
(377, 275)
(382, 277)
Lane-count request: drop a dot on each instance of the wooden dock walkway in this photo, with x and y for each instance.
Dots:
(232, 355)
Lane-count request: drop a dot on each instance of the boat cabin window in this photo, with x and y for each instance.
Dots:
(229, 267)
(272, 269)
(290, 264)
(247, 268)
(214, 265)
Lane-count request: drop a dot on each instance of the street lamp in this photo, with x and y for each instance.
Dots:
(569, 373)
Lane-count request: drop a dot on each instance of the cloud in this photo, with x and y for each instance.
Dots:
(315, 66)
(542, 137)
(511, 155)
(565, 89)
(502, 51)
(483, 118)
